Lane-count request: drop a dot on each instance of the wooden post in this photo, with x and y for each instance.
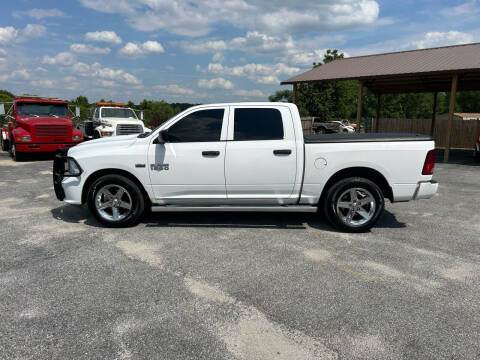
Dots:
(379, 104)
(294, 93)
(453, 93)
(359, 104)
(434, 114)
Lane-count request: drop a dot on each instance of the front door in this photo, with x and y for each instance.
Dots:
(261, 160)
(189, 168)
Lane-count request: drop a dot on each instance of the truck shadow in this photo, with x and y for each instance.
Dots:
(295, 221)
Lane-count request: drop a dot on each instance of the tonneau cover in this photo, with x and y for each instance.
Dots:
(370, 137)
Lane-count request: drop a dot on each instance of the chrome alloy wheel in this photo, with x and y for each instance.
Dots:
(356, 206)
(113, 202)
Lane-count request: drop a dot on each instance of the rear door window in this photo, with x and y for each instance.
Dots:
(257, 124)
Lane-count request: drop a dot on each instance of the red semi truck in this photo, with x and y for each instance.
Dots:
(38, 125)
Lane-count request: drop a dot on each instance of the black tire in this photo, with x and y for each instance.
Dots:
(16, 156)
(4, 145)
(322, 130)
(476, 156)
(135, 197)
(367, 215)
(96, 135)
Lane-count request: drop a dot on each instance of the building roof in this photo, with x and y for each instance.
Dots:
(422, 70)
(468, 115)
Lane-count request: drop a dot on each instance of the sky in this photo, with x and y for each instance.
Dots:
(205, 51)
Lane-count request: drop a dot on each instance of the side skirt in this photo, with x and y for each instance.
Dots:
(172, 208)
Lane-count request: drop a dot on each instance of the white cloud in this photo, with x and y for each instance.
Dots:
(20, 74)
(81, 68)
(88, 49)
(45, 83)
(103, 36)
(217, 83)
(136, 49)
(435, 38)
(250, 93)
(10, 35)
(111, 74)
(218, 57)
(106, 83)
(64, 59)
(268, 80)
(40, 13)
(174, 89)
(197, 17)
(262, 73)
(301, 52)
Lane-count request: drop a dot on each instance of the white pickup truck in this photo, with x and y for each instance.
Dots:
(112, 119)
(245, 157)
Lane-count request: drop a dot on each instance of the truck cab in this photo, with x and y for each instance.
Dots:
(38, 125)
(112, 119)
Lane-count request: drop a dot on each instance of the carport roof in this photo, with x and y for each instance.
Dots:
(425, 70)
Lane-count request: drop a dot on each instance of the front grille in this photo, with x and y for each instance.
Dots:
(127, 129)
(51, 130)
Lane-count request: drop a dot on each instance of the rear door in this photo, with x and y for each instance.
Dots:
(190, 167)
(261, 155)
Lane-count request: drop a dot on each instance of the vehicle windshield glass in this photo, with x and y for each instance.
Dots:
(118, 113)
(52, 110)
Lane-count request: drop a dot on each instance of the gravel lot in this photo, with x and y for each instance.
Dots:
(238, 286)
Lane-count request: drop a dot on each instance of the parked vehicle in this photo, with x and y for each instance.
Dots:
(38, 124)
(245, 157)
(112, 119)
(476, 153)
(342, 128)
(320, 127)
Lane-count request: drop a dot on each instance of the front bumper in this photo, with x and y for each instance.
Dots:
(426, 190)
(67, 188)
(42, 147)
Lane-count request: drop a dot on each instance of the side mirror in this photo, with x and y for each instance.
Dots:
(77, 111)
(141, 115)
(163, 137)
(2, 109)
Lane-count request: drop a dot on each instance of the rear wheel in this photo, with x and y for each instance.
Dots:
(354, 204)
(116, 201)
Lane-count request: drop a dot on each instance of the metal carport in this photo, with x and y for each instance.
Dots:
(450, 68)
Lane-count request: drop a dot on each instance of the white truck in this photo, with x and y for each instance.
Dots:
(245, 157)
(112, 119)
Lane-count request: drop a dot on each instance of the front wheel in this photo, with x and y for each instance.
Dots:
(116, 201)
(16, 156)
(354, 204)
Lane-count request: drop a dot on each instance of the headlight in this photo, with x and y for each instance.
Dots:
(24, 138)
(72, 168)
(76, 138)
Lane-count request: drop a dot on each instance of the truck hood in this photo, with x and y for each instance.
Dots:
(102, 145)
(29, 122)
(124, 121)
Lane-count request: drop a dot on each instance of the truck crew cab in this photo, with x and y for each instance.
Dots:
(37, 124)
(112, 119)
(245, 157)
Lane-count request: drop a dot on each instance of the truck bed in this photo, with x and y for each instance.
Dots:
(370, 137)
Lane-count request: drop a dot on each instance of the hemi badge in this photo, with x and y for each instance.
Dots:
(139, 165)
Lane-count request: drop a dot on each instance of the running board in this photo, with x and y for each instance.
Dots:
(220, 208)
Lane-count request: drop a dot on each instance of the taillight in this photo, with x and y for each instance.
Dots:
(429, 163)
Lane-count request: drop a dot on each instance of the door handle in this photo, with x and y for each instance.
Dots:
(282, 152)
(210, 153)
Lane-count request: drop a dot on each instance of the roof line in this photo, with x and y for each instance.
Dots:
(407, 51)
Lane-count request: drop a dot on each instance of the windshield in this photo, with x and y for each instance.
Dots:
(53, 110)
(118, 113)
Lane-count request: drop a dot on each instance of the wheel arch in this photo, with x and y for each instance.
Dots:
(99, 173)
(359, 171)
